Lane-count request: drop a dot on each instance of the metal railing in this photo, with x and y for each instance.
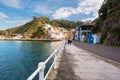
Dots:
(42, 65)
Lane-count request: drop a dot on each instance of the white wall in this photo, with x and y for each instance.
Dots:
(96, 38)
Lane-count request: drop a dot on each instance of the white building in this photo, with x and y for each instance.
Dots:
(16, 36)
(56, 34)
(59, 36)
(82, 32)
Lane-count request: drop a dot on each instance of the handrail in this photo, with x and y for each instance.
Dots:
(41, 65)
(34, 73)
(50, 57)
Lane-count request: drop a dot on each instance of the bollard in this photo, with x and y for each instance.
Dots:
(41, 73)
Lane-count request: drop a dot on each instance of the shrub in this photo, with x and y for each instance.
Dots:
(114, 36)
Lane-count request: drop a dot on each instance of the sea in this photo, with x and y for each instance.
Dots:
(19, 59)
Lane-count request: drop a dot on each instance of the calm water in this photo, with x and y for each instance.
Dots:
(18, 59)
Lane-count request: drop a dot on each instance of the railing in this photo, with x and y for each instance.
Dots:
(42, 65)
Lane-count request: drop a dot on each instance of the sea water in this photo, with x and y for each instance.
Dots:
(19, 59)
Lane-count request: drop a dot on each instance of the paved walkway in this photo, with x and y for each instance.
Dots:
(78, 64)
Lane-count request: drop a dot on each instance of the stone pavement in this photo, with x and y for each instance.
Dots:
(78, 64)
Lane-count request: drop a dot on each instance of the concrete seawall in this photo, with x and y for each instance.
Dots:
(32, 39)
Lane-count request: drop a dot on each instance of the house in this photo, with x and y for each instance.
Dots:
(59, 36)
(52, 32)
(82, 32)
(48, 26)
(16, 36)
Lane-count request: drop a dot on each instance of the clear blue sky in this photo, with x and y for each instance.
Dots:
(18, 12)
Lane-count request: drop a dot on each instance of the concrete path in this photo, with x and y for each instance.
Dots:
(81, 65)
(65, 71)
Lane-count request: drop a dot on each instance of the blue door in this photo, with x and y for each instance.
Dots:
(90, 38)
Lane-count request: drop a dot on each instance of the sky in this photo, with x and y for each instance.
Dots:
(17, 12)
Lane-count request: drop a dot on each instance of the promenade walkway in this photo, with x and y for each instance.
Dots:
(78, 64)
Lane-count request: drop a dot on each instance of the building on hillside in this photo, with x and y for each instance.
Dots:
(50, 30)
(82, 32)
(59, 36)
(88, 22)
(16, 36)
(46, 26)
(53, 33)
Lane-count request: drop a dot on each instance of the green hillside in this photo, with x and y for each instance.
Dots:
(108, 22)
(33, 29)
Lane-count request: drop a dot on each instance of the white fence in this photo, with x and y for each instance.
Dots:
(42, 65)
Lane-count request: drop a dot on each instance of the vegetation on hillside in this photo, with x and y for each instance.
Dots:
(96, 27)
(110, 9)
(114, 36)
(66, 23)
(33, 29)
(108, 22)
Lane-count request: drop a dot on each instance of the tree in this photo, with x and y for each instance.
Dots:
(103, 12)
(96, 28)
(34, 18)
(44, 20)
(55, 22)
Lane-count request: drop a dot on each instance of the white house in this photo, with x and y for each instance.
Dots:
(16, 36)
(59, 36)
(53, 33)
(82, 32)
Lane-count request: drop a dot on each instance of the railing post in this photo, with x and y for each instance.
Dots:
(41, 73)
(55, 60)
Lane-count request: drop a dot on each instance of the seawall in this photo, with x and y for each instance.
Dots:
(32, 39)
